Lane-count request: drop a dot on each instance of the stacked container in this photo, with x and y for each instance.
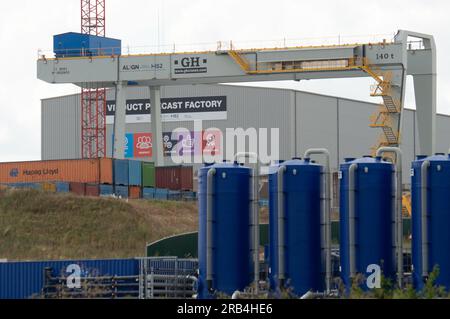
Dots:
(92, 190)
(78, 189)
(128, 173)
(97, 171)
(175, 178)
(301, 267)
(225, 257)
(367, 220)
(148, 175)
(431, 219)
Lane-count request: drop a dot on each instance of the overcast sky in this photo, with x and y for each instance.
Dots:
(28, 25)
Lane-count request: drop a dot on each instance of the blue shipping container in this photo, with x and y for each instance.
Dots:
(148, 193)
(161, 194)
(73, 44)
(121, 172)
(122, 191)
(23, 280)
(134, 173)
(174, 195)
(35, 186)
(106, 190)
(62, 187)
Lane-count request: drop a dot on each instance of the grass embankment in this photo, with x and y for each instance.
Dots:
(36, 225)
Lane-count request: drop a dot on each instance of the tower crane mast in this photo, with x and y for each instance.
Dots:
(93, 100)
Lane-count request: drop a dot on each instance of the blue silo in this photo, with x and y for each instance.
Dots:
(231, 258)
(303, 268)
(432, 249)
(373, 225)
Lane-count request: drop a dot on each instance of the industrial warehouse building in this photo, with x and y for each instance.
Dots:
(305, 120)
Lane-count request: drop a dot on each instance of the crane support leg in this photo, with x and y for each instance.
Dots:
(155, 97)
(425, 90)
(422, 65)
(120, 121)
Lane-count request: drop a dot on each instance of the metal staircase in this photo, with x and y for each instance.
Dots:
(240, 60)
(389, 110)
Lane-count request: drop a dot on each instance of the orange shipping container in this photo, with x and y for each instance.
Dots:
(135, 192)
(98, 171)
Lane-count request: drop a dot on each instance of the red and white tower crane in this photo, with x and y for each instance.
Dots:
(93, 99)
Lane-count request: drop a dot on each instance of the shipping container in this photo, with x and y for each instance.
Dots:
(23, 280)
(148, 174)
(189, 196)
(174, 195)
(92, 190)
(161, 194)
(121, 191)
(106, 190)
(35, 186)
(148, 193)
(62, 187)
(176, 178)
(134, 173)
(97, 171)
(78, 189)
(135, 192)
(121, 172)
(49, 187)
(74, 44)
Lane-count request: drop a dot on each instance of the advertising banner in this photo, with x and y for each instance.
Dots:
(173, 109)
(140, 145)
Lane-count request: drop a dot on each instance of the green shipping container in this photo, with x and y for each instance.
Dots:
(148, 174)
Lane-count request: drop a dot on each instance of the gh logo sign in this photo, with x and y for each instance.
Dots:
(374, 279)
(192, 62)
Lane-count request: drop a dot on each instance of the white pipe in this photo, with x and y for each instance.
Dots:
(399, 208)
(255, 214)
(209, 226)
(326, 213)
(351, 215)
(281, 217)
(424, 209)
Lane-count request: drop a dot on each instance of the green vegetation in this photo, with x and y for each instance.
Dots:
(35, 225)
(389, 291)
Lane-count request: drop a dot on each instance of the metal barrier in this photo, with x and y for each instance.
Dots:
(105, 287)
(162, 278)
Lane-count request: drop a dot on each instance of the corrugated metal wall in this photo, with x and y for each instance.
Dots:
(23, 280)
(61, 128)
(304, 119)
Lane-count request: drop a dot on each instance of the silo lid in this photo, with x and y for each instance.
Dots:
(437, 157)
(367, 160)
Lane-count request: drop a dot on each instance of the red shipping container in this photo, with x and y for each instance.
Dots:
(78, 189)
(135, 192)
(176, 178)
(92, 190)
(98, 171)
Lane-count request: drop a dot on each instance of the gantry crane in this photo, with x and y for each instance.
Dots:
(388, 63)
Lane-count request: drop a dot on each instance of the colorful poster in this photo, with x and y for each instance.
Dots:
(212, 142)
(140, 145)
(143, 145)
